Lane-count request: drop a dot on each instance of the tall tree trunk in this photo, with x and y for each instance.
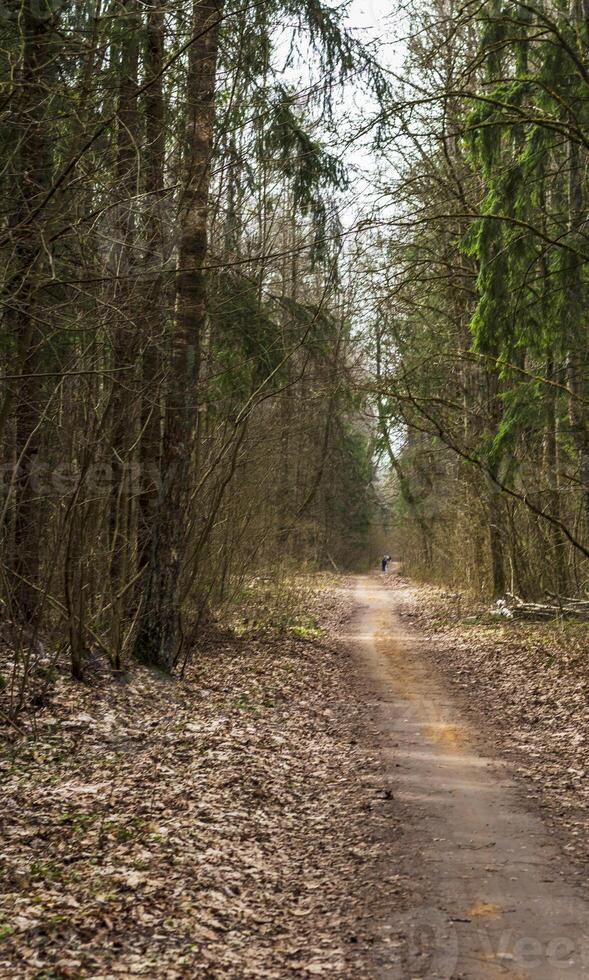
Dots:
(551, 479)
(155, 313)
(576, 325)
(495, 502)
(159, 636)
(496, 537)
(26, 317)
(576, 357)
(125, 341)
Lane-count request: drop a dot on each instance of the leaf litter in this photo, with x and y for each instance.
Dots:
(222, 825)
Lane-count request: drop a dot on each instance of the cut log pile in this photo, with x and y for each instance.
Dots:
(512, 607)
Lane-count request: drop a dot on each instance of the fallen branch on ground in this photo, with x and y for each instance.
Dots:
(512, 607)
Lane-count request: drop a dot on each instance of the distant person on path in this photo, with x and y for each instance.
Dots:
(384, 562)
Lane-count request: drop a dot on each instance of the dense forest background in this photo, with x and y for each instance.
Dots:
(178, 406)
(479, 286)
(219, 358)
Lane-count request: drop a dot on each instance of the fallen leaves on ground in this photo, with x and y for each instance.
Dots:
(214, 826)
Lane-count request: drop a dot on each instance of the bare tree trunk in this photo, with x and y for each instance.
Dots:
(160, 629)
(26, 316)
(551, 478)
(576, 327)
(496, 538)
(495, 502)
(125, 341)
(155, 313)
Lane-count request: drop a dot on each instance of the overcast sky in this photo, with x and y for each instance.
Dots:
(369, 13)
(378, 20)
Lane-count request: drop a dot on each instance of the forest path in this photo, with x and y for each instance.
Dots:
(491, 894)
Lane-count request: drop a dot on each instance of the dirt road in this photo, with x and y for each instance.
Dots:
(494, 896)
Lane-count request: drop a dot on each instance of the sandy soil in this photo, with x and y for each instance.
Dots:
(487, 891)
